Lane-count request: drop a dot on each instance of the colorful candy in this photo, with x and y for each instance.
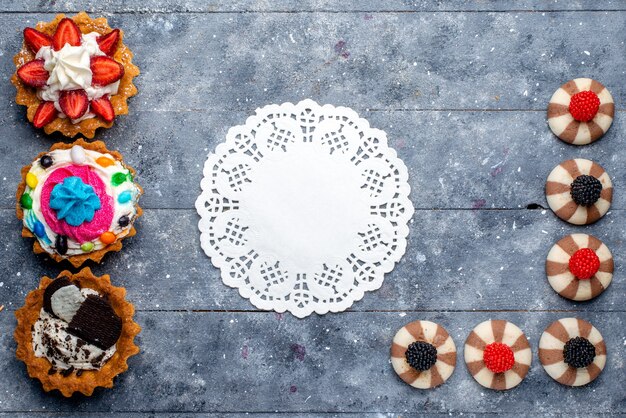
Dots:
(118, 178)
(31, 180)
(39, 229)
(46, 161)
(105, 162)
(60, 244)
(87, 246)
(26, 201)
(108, 237)
(125, 197)
(77, 154)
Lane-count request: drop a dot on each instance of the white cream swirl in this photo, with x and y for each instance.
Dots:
(70, 69)
(64, 350)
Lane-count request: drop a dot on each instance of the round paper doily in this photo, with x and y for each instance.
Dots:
(304, 208)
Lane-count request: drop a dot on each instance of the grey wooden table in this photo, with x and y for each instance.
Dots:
(461, 89)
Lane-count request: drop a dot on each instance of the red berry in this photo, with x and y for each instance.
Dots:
(36, 40)
(105, 71)
(584, 263)
(108, 42)
(33, 73)
(103, 108)
(67, 33)
(584, 105)
(498, 357)
(74, 103)
(46, 113)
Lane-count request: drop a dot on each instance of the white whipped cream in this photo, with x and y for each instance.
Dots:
(52, 341)
(70, 69)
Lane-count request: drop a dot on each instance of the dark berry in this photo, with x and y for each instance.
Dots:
(579, 352)
(123, 221)
(586, 190)
(60, 244)
(45, 161)
(421, 355)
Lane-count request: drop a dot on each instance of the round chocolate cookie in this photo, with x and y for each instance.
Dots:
(579, 267)
(579, 191)
(423, 354)
(572, 351)
(497, 354)
(580, 111)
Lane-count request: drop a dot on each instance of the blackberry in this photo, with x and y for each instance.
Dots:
(421, 356)
(579, 352)
(586, 190)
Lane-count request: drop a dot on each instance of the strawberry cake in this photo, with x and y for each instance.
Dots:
(74, 75)
(579, 267)
(572, 351)
(581, 111)
(423, 354)
(497, 354)
(579, 191)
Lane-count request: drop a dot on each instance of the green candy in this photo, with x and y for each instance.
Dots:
(26, 201)
(119, 178)
(87, 246)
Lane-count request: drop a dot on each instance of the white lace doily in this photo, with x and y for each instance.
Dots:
(304, 208)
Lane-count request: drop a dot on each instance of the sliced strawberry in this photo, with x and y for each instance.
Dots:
(35, 39)
(33, 73)
(103, 108)
(67, 33)
(105, 71)
(74, 103)
(46, 113)
(108, 42)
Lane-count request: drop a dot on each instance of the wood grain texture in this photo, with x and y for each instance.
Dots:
(460, 87)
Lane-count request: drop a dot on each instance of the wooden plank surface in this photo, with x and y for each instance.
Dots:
(460, 88)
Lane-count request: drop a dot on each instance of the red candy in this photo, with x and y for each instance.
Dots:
(584, 105)
(584, 263)
(498, 357)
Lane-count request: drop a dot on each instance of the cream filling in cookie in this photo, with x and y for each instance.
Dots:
(62, 349)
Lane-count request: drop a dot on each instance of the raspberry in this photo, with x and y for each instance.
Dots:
(584, 263)
(584, 105)
(585, 190)
(579, 352)
(498, 357)
(421, 355)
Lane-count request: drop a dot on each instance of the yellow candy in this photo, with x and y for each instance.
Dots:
(31, 180)
(105, 162)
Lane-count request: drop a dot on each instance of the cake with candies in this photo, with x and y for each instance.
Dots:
(581, 111)
(579, 267)
(76, 332)
(579, 191)
(79, 201)
(74, 75)
(572, 351)
(423, 354)
(497, 354)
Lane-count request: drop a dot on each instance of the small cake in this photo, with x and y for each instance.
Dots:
(79, 201)
(579, 191)
(581, 111)
(579, 267)
(74, 75)
(423, 354)
(76, 332)
(497, 354)
(572, 351)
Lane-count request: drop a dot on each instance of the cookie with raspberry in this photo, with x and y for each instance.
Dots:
(423, 354)
(579, 267)
(579, 191)
(497, 354)
(581, 111)
(572, 351)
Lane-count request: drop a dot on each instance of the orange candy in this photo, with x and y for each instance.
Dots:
(108, 237)
(105, 162)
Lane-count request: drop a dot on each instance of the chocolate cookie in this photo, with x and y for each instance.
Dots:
(579, 267)
(497, 354)
(572, 351)
(579, 191)
(423, 354)
(580, 111)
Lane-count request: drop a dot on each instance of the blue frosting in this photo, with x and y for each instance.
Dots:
(74, 201)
